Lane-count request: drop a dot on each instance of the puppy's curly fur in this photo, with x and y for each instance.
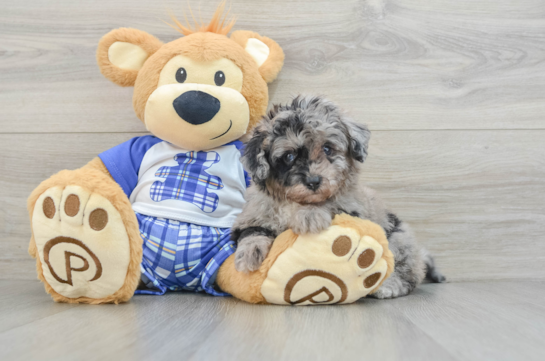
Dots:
(304, 159)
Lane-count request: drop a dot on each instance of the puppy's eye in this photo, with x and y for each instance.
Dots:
(219, 78)
(289, 158)
(327, 150)
(181, 75)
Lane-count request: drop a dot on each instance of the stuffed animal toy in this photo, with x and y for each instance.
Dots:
(153, 214)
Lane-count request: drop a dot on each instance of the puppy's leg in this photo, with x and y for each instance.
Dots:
(253, 245)
(310, 219)
(251, 253)
(409, 268)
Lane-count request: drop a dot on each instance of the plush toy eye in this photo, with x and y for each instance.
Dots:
(289, 158)
(327, 150)
(181, 75)
(219, 78)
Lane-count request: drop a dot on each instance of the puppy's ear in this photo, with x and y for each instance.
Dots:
(255, 158)
(359, 140)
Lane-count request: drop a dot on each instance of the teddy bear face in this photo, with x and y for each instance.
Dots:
(197, 92)
(205, 91)
(198, 103)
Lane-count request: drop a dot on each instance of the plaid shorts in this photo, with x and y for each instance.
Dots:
(182, 256)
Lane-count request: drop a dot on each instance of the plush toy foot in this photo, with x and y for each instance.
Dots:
(336, 266)
(340, 265)
(83, 247)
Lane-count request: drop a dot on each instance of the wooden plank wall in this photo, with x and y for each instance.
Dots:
(454, 92)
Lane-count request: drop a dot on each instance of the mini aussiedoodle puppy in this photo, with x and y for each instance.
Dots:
(304, 159)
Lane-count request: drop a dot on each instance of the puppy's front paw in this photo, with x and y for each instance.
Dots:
(312, 220)
(392, 288)
(251, 252)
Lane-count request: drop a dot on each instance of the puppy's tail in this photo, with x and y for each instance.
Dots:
(432, 272)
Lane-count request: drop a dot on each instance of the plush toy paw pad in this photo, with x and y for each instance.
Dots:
(82, 242)
(335, 266)
(365, 259)
(98, 219)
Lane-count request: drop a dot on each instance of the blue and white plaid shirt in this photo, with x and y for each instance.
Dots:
(162, 180)
(189, 181)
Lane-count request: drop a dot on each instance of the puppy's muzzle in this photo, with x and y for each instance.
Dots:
(313, 182)
(196, 107)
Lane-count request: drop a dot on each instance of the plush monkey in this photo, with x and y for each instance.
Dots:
(153, 214)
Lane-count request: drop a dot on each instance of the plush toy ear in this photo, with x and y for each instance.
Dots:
(266, 52)
(359, 139)
(122, 52)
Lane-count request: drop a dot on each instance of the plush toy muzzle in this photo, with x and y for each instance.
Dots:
(197, 116)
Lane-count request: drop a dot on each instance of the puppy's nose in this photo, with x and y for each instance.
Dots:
(313, 182)
(196, 107)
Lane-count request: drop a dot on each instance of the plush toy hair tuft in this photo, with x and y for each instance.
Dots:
(217, 25)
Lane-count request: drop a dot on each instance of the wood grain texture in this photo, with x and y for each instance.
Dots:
(395, 64)
(474, 198)
(453, 91)
(457, 321)
(22, 303)
(480, 321)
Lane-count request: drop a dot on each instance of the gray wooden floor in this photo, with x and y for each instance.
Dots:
(494, 320)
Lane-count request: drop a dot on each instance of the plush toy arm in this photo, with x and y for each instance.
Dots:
(347, 261)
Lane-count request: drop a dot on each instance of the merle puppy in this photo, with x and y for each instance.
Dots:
(304, 159)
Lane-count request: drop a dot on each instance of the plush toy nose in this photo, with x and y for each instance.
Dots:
(196, 107)
(313, 182)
